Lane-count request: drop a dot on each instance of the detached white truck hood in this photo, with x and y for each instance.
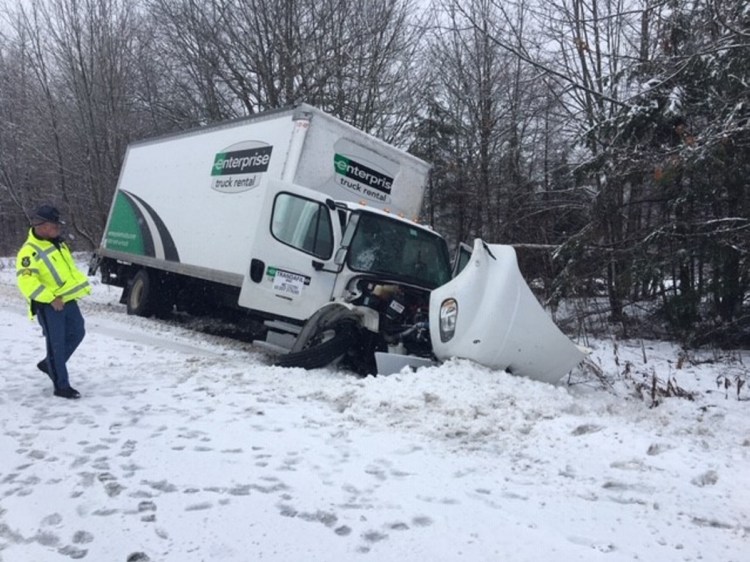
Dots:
(498, 322)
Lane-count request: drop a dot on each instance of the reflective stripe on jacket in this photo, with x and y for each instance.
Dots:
(45, 271)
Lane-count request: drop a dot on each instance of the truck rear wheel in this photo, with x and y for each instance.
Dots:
(140, 295)
(148, 295)
(323, 348)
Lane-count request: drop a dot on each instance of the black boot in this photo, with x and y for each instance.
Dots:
(42, 366)
(69, 392)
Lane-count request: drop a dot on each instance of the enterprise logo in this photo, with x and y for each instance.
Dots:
(353, 170)
(248, 161)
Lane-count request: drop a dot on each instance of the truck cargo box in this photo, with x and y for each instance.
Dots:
(190, 202)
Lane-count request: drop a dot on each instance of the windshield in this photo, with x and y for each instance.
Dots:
(398, 250)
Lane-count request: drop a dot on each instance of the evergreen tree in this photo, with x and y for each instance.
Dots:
(690, 127)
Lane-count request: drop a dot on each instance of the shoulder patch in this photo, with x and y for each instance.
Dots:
(26, 262)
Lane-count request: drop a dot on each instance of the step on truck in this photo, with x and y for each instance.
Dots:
(307, 225)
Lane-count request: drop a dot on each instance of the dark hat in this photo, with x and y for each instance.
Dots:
(46, 213)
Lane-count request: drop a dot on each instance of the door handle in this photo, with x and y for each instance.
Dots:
(320, 266)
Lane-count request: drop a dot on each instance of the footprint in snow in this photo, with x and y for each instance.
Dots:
(421, 521)
(73, 552)
(146, 506)
(586, 428)
(601, 547)
(708, 478)
(657, 449)
(82, 537)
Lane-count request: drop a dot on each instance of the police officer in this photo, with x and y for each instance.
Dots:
(49, 279)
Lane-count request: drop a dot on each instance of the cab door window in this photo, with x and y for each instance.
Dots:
(303, 224)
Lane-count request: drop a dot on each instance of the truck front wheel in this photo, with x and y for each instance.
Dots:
(323, 348)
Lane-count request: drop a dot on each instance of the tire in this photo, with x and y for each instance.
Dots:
(322, 349)
(148, 296)
(139, 300)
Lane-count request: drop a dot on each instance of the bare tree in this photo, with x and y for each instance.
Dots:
(30, 159)
(80, 56)
(95, 46)
(469, 77)
(353, 58)
(497, 111)
(189, 42)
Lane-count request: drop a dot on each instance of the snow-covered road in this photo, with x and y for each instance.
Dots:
(187, 447)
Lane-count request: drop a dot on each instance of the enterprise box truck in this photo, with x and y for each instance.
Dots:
(309, 225)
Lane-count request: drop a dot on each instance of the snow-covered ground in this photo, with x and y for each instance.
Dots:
(187, 447)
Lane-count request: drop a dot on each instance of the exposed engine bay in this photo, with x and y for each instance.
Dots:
(403, 313)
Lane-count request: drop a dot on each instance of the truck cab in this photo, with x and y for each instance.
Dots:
(375, 269)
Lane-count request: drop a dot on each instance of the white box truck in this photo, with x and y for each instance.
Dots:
(296, 219)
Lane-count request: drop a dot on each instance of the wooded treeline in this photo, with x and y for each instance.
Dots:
(609, 140)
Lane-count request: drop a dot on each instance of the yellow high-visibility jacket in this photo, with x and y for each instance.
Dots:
(45, 271)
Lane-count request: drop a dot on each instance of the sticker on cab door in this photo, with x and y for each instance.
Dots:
(287, 283)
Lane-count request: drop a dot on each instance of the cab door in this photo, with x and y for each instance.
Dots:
(291, 271)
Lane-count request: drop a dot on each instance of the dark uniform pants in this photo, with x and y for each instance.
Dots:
(63, 331)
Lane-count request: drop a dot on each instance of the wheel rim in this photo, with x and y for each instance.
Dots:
(322, 336)
(136, 294)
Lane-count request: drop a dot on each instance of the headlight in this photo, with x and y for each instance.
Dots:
(448, 316)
